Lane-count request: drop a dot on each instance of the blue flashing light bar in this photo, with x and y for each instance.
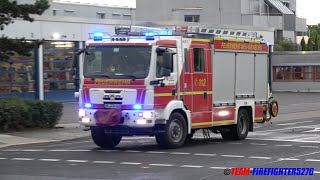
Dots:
(137, 107)
(88, 105)
(99, 36)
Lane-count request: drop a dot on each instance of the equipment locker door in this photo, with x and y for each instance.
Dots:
(201, 83)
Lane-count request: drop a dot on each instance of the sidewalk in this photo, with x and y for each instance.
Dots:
(67, 129)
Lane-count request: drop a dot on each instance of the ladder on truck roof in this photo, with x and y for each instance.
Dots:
(191, 31)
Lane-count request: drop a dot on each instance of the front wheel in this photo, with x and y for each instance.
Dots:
(100, 138)
(175, 132)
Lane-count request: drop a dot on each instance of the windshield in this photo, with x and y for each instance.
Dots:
(117, 62)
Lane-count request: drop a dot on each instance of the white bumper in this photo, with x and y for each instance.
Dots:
(131, 118)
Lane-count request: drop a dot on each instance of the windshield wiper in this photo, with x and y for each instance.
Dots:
(99, 75)
(126, 75)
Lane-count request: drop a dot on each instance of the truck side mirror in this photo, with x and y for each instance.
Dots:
(168, 60)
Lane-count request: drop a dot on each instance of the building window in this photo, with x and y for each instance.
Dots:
(192, 18)
(282, 73)
(198, 59)
(69, 12)
(54, 12)
(127, 16)
(101, 15)
(17, 74)
(116, 16)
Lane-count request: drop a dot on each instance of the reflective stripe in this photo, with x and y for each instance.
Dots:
(259, 118)
(182, 93)
(201, 40)
(213, 123)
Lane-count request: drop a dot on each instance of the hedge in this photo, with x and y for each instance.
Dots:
(19, 114)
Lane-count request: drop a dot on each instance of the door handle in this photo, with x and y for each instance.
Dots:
(205, 95)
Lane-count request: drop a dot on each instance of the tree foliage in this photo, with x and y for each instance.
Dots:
(285, 45)
(11, 10)
(314, 35)
(303, 45)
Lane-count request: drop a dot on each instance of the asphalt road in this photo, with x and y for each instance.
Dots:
(281, 144)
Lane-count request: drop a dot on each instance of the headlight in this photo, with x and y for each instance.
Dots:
(82, 112)
(141, 121)
(85, 120)
(147, 115)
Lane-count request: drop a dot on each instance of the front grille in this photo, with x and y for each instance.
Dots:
(112, 91)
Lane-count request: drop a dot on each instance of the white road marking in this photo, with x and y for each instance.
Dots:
(163, 165)
(191, 166)
(145, 167)
(284, 145)
(130, 163)
(235, 143)
(22, 159)
(69, 150)
(155, 152)
(312, 160)
(132, 151)
(316, 172)
(309, 146)
(199, 154)
(311, 131)
(288, 159)
(258, 157)
(301, 139)
(3, 158)
(218, 168)
(32, 150)
(77, 161)
(258, 127)
(103, 162)
(101, 150)
(296, 127)
(180, 153)
(283, 140)
(50, 160)
(258, 144)
(293, 123)
(236, 156)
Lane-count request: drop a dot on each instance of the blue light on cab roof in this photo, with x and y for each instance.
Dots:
(98, 36)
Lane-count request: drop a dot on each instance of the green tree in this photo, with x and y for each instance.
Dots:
(310, 45)
(316, 43)
(284, 45)
(303, 44)
(11, 10)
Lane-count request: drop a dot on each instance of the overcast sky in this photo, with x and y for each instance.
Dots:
(305, 8)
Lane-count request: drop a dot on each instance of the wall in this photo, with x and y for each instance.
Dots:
(310, 58)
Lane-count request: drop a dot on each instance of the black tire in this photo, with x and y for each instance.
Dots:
(175, 132)
(101, 139)
(240, 130)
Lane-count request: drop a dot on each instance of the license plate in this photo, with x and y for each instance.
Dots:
(112, 106)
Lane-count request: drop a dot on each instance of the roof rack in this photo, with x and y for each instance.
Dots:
(189, 31)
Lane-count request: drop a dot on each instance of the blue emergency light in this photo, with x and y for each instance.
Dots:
(150, 34)
(98, 36)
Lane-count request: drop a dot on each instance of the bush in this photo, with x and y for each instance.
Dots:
(18, 114)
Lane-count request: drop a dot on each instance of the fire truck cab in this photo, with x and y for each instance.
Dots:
(169, 84)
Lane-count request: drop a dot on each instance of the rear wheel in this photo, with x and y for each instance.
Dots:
(175, 132)
(100, 138)
(240, 130)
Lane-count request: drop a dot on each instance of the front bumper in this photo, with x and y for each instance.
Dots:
(130, 118)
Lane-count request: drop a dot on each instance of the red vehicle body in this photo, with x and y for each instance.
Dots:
(185, 84)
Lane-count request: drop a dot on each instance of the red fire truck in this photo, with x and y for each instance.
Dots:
(169, 84)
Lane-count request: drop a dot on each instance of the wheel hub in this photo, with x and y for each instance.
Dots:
(175, 131)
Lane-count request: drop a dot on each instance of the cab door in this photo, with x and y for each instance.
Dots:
(201, 85)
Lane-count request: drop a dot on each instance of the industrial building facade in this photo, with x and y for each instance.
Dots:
(65, 28)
